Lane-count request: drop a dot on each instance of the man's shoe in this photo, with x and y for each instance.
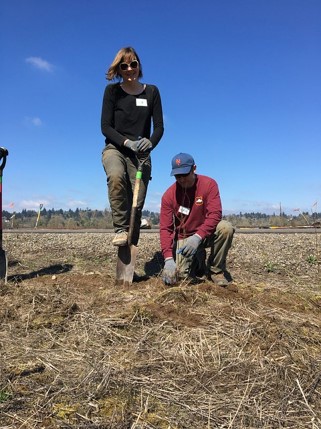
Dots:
(220, 279)
(120, 238)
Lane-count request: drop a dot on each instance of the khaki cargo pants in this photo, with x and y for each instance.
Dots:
(219, 244)
(121, 176)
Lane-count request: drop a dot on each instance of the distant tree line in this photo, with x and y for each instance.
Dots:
(263, 220)
(66, 219)
(102, 219)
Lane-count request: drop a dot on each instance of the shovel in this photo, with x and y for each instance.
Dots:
(127, 254)
(3, 258)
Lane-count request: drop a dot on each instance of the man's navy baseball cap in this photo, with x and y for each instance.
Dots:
(182, 164)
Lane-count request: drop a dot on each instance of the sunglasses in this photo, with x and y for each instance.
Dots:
(125, 66)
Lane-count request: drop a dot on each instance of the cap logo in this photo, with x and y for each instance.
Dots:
(178, 161)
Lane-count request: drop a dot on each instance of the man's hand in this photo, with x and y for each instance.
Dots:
(144, 145)
(191, 245)
(169, 272)
(133, 145)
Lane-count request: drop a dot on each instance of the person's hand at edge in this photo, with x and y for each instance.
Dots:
(169, 272)
(191, 245)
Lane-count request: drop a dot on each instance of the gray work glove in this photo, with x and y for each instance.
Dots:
(133, 145)
(169, 272)
(144, 145)
(191, 245)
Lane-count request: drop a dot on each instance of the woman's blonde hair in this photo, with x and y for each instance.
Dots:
(123, 55)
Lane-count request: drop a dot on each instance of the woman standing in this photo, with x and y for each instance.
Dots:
(130, 108)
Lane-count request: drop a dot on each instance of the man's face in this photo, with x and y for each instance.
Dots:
(186, 180)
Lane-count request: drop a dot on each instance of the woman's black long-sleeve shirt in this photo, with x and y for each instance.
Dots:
(125, 116)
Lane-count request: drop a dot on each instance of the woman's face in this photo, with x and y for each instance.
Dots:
(129, 70)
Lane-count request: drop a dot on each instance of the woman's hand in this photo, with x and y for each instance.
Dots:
(133, 145)
(144, 145)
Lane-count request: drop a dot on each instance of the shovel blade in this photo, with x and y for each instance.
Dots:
(3, 266)
(126, 265)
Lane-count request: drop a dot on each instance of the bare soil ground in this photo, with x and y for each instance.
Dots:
(78, 352)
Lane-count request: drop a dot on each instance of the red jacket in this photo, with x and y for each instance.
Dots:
(184, 212)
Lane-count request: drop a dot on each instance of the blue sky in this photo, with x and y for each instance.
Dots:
(240, 82)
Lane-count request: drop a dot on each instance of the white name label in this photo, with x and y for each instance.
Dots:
(184, 210)
(141, 102)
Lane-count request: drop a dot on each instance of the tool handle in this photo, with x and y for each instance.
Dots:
(139, 175)
(133, 212)
(0, 209)
(3, 156)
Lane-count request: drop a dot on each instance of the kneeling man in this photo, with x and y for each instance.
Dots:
(190, 222)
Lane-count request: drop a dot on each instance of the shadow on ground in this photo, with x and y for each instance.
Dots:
(51, 270)
(154, 267)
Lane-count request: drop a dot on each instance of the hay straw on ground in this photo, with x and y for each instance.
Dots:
(78, 353)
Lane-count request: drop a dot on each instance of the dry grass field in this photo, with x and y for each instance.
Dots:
(78, 352)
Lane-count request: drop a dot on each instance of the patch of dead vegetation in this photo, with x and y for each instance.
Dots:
(78, 352)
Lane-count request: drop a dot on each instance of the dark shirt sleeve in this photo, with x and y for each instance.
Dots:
(158, 123)
(107, 117)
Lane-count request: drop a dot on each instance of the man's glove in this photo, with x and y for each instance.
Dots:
(191, 245)
(133, 145)
(144, 145)
(169, 272)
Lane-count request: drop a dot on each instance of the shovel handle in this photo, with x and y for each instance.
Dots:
(139, 176)
(3, 156)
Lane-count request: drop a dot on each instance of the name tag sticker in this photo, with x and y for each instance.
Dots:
(183, 210)
(141, 102)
